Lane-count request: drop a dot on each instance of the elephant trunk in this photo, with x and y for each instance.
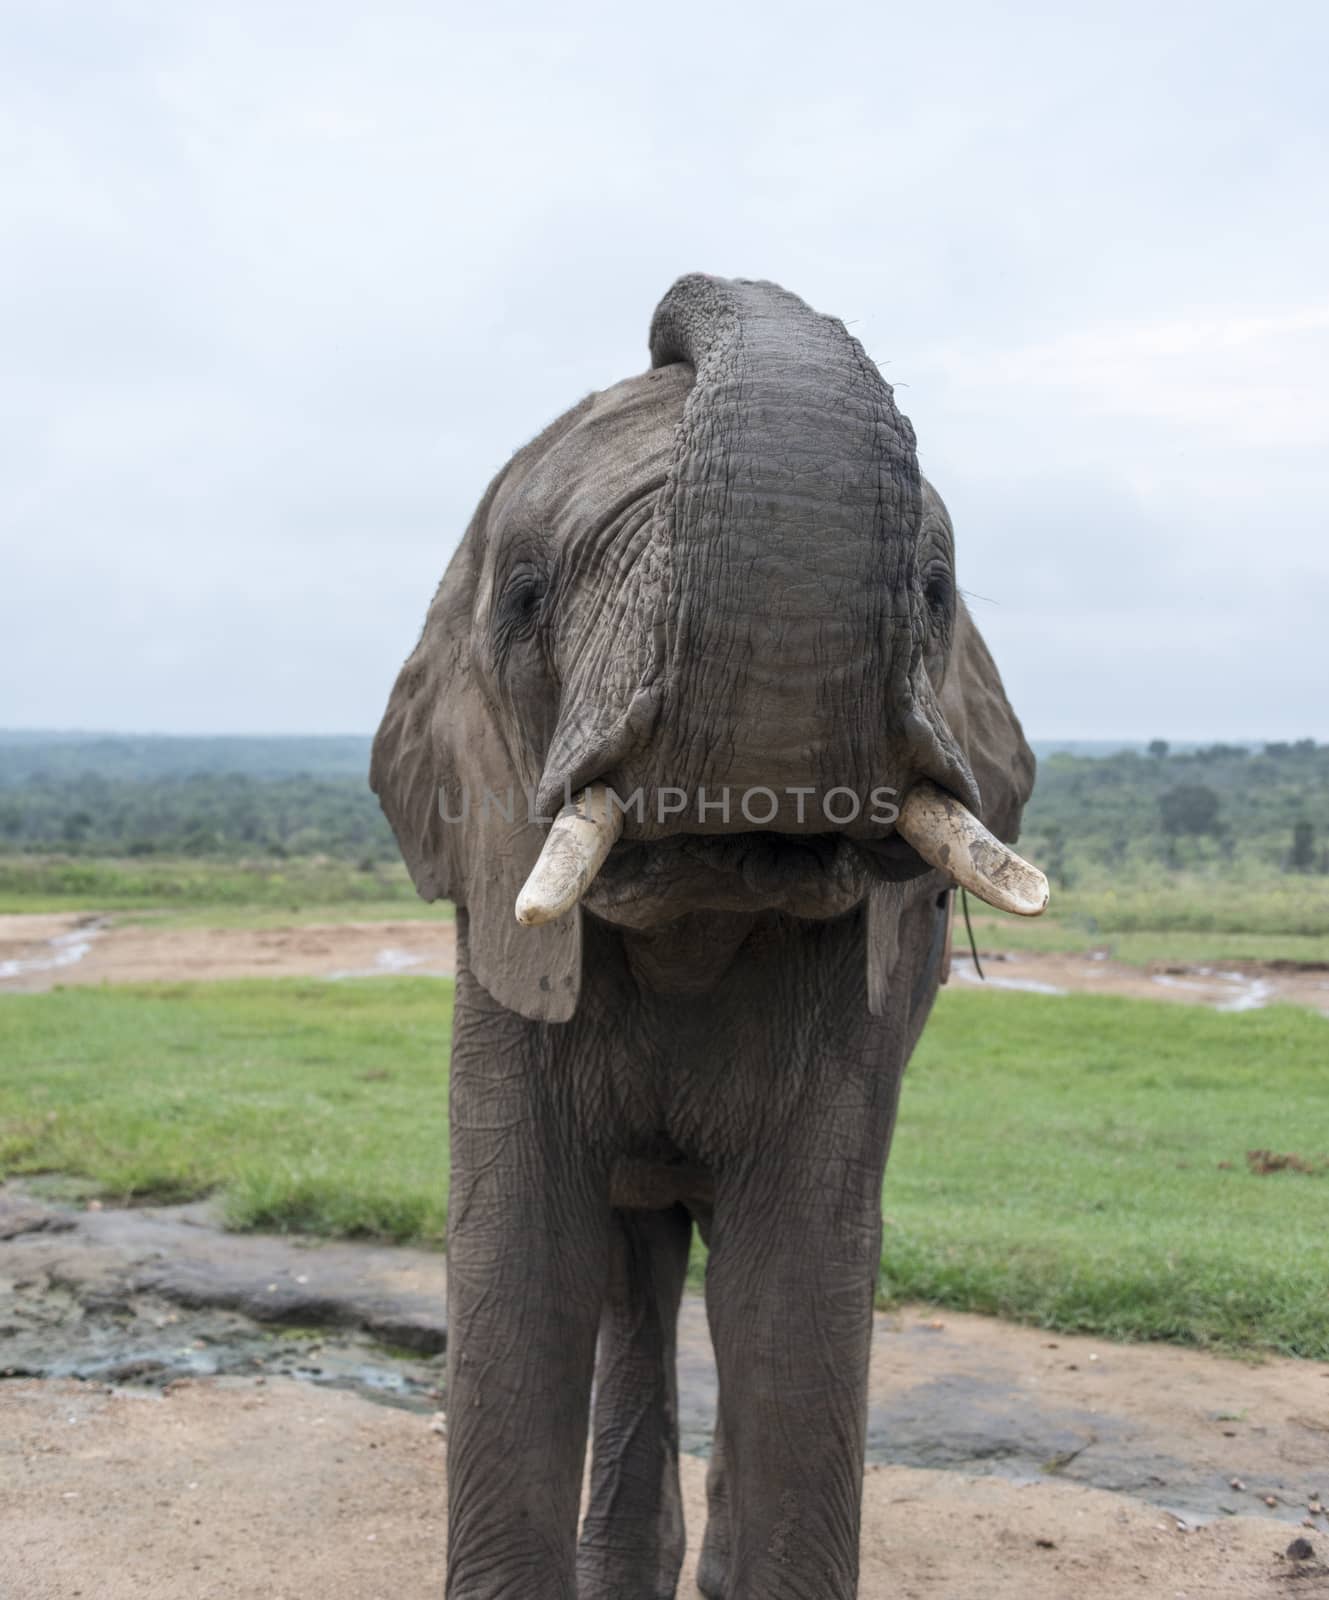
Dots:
(787, 526)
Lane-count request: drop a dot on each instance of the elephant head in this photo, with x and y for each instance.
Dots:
(723, 577)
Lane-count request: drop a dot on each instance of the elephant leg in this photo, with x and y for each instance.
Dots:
(632, 1538)
(790, 1286)
(528, 1221)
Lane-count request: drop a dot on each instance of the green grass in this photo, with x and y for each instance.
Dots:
(310, 1105)
(1281, 906)
(1139, 948)
(341, 913)
(1212, 902)
(1080, 1163)
(1143, 912)
(202, 891)
(1076, 1162)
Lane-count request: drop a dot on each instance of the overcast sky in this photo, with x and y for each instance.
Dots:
(281, 287)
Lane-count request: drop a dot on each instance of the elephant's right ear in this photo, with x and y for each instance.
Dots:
(439, 755)
(978, 713)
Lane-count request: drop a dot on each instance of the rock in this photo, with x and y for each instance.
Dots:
(21, 1214)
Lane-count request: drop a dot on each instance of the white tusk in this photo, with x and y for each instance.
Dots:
(951, 837)
(582, 835)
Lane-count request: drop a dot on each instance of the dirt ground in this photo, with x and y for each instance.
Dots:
(202, 1452)
(145, 1296)
(240, 1489)
(1232, 986)
(41, 952)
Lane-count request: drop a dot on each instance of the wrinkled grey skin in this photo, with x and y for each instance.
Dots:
(725, 571)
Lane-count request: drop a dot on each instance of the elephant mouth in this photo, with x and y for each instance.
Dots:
(809, 875)
(815, 875)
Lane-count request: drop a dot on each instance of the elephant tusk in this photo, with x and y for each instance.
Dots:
(949, 836)
(582, 835)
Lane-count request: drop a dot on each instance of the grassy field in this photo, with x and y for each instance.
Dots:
(1081, 1163)
(208, 892)
(1077, 1162)
(1186, 915)
(309, 1105)
(1053, 932)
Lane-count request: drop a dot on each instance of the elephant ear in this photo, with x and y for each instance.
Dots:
(439, 751)
(987, 730)
(979, 716)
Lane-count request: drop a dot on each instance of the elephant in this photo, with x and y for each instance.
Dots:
(720, 578)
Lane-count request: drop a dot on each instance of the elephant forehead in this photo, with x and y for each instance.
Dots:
(616, 449)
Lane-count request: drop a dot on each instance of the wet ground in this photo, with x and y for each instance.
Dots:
(148, 1298)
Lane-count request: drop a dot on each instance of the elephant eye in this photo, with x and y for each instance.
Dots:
(519, 605)
(939, 592)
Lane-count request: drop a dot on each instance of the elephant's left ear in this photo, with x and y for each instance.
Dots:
(987, 730)
(448, 787)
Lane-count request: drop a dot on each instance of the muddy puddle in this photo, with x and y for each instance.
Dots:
(144, 1299)
(150, 1343)
(36, 950)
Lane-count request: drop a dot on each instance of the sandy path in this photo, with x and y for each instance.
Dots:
(41, 952)
(235, 1490)
(1227, 986)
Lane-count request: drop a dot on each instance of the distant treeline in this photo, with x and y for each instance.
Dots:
(1268, 805)
(141, 795)
(242, 798)
(218, 814)
(145, 757)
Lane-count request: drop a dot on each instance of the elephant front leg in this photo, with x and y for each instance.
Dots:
(527, 1252)
(790, 1286)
